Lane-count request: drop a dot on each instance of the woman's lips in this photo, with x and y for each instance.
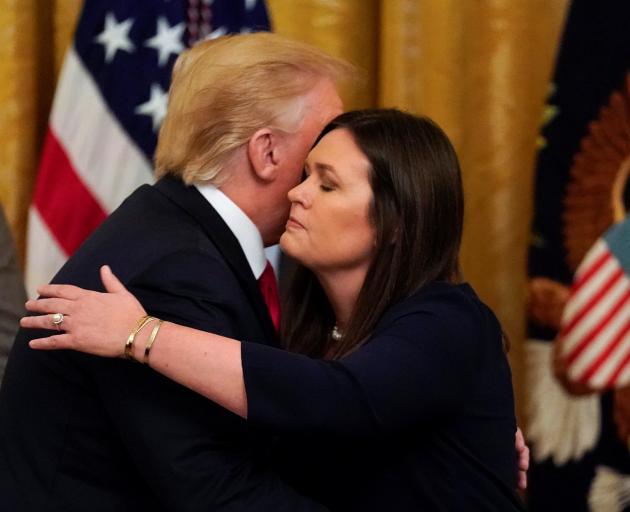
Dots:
(294, 223)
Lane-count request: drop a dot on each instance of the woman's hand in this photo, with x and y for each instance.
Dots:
(522, 453)
(93, 322)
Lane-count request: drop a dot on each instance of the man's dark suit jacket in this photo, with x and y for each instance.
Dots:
(79, 432)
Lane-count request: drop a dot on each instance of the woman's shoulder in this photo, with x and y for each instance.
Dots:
(441, 298)
(453, 309)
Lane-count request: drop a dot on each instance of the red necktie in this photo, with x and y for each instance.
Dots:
(269, 290)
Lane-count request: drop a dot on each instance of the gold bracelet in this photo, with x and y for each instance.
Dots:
(154, 333)
(132, 336)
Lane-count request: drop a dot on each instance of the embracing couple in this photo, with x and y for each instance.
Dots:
(385, 384)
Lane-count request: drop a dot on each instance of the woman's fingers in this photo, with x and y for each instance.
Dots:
(43, 322)
(110, 281)
(56, 342)
(62, 291)
(523, 466)
(522, 452)
(523, 461)
(50, 306)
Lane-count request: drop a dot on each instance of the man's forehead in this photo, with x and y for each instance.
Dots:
(338, 107)
(321, 106)
(326, 91)
(329, 108)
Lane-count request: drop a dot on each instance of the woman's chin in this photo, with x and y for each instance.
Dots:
(285, 243)
(289, 245)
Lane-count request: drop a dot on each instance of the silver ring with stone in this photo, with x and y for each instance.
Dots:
(57, 319)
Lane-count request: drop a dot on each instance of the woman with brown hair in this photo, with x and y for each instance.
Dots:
(395, 391)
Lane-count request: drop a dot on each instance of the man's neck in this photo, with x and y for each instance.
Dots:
(243, 228)
(253, 199)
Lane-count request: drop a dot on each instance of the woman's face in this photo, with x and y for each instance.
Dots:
(329, 228)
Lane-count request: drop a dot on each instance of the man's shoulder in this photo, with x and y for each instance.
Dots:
(148, 205)
(146, 228)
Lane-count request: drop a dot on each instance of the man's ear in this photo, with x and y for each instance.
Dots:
(262, 151)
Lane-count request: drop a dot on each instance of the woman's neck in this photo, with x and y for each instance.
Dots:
(342, 288)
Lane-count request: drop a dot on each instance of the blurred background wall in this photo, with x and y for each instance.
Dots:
(480, 68)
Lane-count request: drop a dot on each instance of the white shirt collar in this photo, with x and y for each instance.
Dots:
(241, 226)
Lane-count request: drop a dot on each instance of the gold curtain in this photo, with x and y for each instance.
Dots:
(33, 39)
(480, 68)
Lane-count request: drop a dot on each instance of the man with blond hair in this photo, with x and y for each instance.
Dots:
(85, 433)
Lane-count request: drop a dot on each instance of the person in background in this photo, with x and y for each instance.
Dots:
(12, 294)
(395, 392)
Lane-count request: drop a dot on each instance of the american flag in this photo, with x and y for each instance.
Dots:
(110, 101)
(595, 331)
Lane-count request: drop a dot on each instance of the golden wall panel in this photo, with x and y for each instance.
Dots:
(65, 18)
(33, 39)
(25, 92)
(421, 52)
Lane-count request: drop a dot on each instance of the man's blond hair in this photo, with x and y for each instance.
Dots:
(226, 89)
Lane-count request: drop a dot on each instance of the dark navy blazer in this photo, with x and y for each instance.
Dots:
(80, 433)
(419, 418)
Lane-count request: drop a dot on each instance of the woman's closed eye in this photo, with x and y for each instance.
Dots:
(327, 181)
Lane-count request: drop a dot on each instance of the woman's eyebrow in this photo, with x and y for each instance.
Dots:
(321, 167)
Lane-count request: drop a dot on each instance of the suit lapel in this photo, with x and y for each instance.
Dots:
(190, 199)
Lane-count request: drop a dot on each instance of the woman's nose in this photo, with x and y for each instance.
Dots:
(299, 194)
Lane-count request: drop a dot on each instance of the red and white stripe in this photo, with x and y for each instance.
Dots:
(595, 329)
(199, 20)
(88, 166)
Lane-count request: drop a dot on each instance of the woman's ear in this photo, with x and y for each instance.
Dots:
(262, 151)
